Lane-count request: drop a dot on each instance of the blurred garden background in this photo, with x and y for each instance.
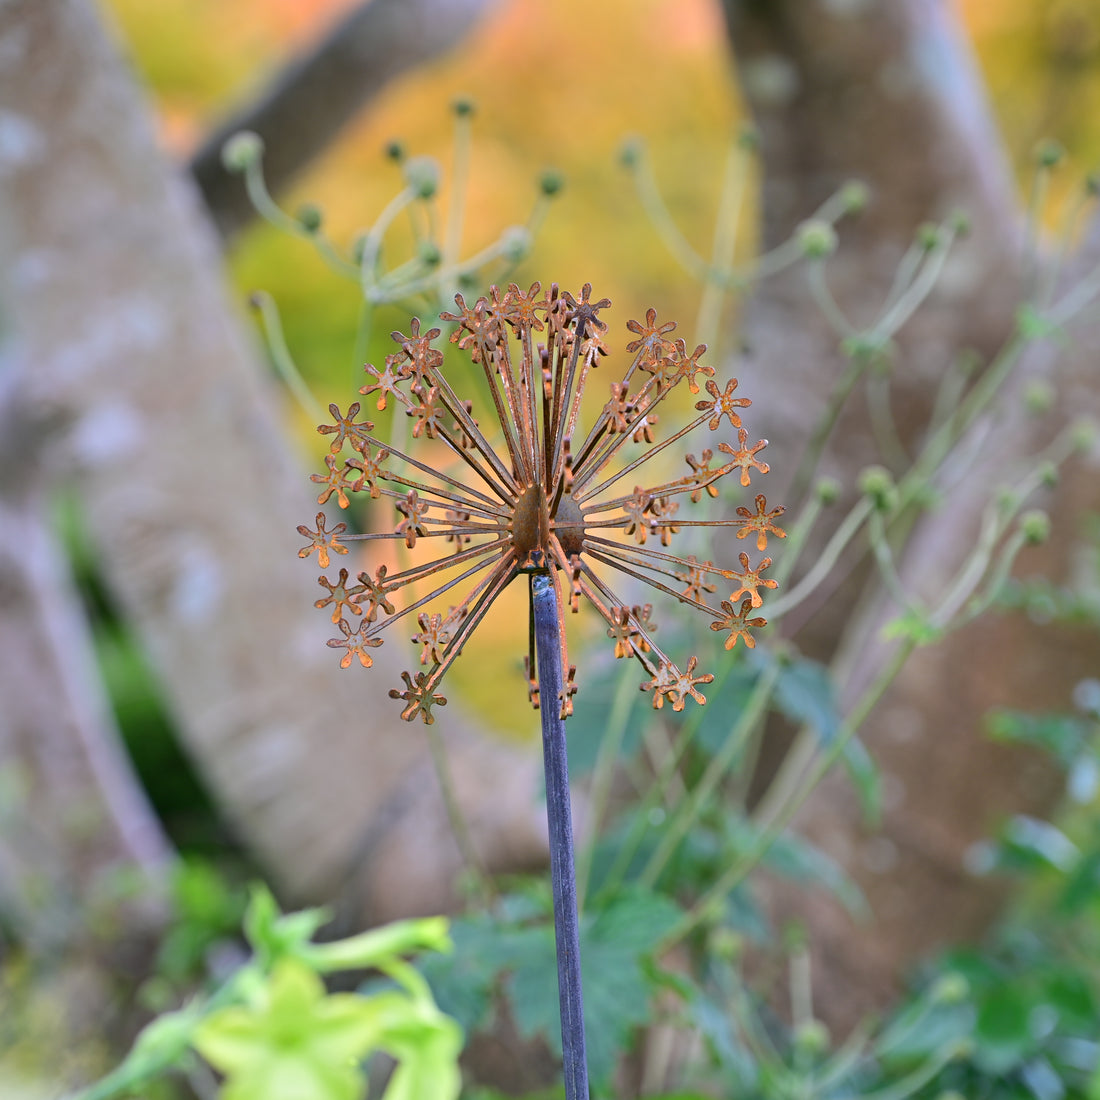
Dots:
(173, 726)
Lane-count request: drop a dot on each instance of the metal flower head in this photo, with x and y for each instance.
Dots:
(538, 497)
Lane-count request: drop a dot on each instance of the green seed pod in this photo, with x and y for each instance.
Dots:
(551, 182)
(241, 151)
(630, 152)
(1084, 434)
(422, 175)
(1035, 527)
(725, 944)
(1049, 154)
(877, 483)
(928, 236)
(816, 238)
(1038, 396)
(854, 196)
(395, 150)
(960, 222)
(463, 106)
(310, 217)
(827, 489)
(950, 989)
(429, 253)
(811, 1037)
(515, 243)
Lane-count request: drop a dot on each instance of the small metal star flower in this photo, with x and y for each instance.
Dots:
(535, 496)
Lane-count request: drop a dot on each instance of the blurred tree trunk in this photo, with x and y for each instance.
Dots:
(170, 432)
(316, 94)
(70, 809)
(888, 92)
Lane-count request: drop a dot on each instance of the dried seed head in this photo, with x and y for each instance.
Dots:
(541, 496)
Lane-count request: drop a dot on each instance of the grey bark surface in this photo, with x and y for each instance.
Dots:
(71, 812)
(887, 92)
(173, 440)
(312, 99)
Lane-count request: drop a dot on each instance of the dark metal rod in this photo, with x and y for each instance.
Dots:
(560, 820)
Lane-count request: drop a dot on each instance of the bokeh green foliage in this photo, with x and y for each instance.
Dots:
(274, 1033)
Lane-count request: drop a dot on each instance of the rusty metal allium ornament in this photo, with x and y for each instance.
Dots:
(535, 495)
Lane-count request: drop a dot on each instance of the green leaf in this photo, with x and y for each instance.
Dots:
(1002, 1031)
(1084, 778)
(1082, 887)
(1071, 995)
(273, 935)
(804, 693)
(1061, 735)
(463, 981)
(796, 858)
(711, 1021)
(725, 704)
(1028, 843)
(920, 1032)
(1042, 1080)
(369, 949)
(615, 946)
(592, 713)
(865, 777)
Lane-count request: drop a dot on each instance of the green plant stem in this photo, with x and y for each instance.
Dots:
(426, 283)
(655, 790)
(789, 805)
(884, 559)
(943, 438)
(603, 773)
(559, 818)
(954, 609)
(666, 227)
(801, 985)
(825, 562)
(914, 1081)
(823, 296)
(271, 212)
(1053, 270)
(885, 429)
(949, 392)
(459, 825)
(709, 317)
(687, 813)
(372, 245)
(797, 537)
(905, 272)
(280, 355)
(363, 327)
(800, 483)
(1076, 298)
(460, 173)
(789, 252)
(1033, 219)
(994, 582)
(897, 313)
(141, 1066)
